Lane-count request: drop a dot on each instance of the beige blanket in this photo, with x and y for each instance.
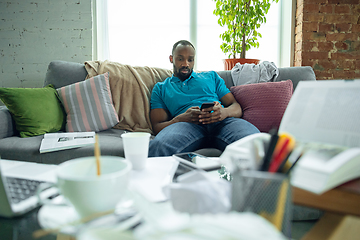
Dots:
(131, 91)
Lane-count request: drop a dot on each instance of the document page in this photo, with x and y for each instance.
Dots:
(325, 111)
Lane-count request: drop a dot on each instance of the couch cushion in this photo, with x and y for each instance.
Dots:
(27, 149)
(89, 105)
(35, 110)
(264, 104)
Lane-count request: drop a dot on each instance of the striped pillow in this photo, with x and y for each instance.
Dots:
(88, 105)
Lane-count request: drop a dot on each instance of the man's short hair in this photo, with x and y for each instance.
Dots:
(182, 42)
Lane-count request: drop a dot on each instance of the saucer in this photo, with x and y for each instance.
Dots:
(63, 216)
(112, 232)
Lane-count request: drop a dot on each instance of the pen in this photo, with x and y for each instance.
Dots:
(270, 149)
(285, 165)
(296, 160)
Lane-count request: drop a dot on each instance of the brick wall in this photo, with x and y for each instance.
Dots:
(34, 32)
(327, 37)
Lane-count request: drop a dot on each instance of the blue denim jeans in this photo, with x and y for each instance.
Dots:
(187, 137)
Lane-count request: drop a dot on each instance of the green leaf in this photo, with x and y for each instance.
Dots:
(241, 18)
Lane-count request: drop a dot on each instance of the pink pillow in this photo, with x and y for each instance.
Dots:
(264, 104)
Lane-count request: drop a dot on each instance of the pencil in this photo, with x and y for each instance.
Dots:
(97, 155)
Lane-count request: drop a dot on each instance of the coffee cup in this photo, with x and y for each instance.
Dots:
(88, 192)
(136, 148)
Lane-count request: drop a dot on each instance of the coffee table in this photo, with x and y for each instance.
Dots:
(22, 228)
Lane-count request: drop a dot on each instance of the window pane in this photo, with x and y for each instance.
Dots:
(269, 43)
(142, 32)
(209, 55)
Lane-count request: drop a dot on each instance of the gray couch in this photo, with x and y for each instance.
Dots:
(61, 73)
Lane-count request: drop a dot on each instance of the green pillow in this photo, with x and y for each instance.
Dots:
(36, 111)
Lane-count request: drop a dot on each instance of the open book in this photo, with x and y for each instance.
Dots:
(60, 141)
(324, 116)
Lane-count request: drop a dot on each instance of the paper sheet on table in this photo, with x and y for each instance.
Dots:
(150, 181)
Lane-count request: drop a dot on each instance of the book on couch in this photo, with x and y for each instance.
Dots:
(324, 116)
(60, 141)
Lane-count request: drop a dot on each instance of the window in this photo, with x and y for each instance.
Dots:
(142, 33)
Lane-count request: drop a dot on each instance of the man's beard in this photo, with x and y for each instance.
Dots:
(183, 76)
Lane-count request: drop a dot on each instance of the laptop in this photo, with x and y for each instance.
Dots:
(18, 185)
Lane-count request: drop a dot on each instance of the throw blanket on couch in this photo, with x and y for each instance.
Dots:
(131, 91)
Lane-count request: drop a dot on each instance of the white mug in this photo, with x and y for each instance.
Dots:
(89, 193)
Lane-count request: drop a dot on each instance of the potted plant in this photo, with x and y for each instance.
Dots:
(242, 18)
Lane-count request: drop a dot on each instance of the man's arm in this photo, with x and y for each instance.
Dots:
(159, 119)
(231, 109)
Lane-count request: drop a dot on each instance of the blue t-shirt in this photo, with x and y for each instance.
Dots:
(177, 96)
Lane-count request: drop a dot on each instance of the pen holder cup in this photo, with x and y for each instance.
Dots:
(266, 194)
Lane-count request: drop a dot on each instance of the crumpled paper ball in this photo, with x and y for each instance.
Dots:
(197, 192)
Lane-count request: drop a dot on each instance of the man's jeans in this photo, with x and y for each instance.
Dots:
(187, 137)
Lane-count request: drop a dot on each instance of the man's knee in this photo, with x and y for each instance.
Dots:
(237, 128)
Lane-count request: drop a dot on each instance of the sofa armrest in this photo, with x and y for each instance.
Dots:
(7, 123)
(296, 74)
(63, 73)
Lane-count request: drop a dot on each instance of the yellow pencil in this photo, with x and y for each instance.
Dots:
(97, 154)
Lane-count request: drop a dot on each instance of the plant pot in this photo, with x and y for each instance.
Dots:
(230, 63)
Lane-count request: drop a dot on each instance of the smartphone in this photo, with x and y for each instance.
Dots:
(194, 160)
(207, 105)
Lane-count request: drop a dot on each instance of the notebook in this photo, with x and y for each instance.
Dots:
(18, 185)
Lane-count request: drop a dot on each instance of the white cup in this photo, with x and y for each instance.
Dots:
(136, 148)
(88, 193)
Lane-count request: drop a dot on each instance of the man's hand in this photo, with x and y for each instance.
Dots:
(161, 119)
(191, 115)
(218, 113)
(212, 114)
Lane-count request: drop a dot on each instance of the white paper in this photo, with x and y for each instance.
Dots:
(325, 112)
(150, 181)
(60, 141)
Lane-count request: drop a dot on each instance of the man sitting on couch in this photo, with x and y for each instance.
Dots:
(176, 118)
